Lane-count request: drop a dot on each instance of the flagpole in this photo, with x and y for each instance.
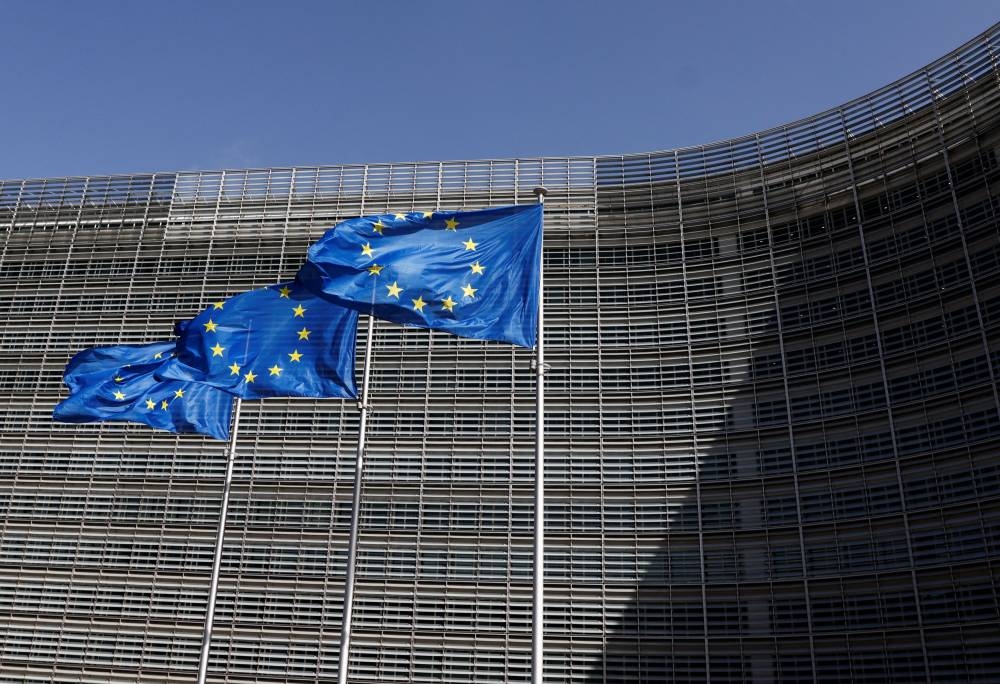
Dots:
(352, 545)
(538, 595)
(206, 639)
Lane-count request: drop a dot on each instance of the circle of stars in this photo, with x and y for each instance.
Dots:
(447, 304)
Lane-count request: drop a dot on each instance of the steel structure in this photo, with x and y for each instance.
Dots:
(772, 412)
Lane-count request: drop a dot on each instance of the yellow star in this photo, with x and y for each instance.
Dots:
(448, 304)
(366, 249)
(158, 355)
(164, 404)
(469, 291)
(378, 226)
(249, 376)
(218, 306)
(118, 378)
(375, 269)
(234, 369)
(477, 268)
(451, 224)
(217, 349)
(179, 393)
(400, 217)
(419, 304)
(428, 214)
(300, 312)
(210, 326)
(284, 292)
(150, 404)
(304, 334)
(119, 396)
(470, 245)
(394, 289)
(275, 369)
(295, 355)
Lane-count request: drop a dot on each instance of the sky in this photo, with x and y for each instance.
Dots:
(104, 87)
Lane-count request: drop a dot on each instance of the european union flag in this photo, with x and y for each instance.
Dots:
(118, 383)
(280, 341)
(472, 273)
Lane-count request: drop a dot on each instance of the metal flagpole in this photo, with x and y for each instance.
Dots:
(206, 639)
(352, 546)
(538, 595)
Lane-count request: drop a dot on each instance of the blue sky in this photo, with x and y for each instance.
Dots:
(118, 87)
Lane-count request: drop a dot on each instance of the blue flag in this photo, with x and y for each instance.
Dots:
(280, 341)
(473, 273)
(118, 383)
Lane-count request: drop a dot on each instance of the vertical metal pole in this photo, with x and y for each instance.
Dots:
(538, 596)
(213, 590)
(352, 545)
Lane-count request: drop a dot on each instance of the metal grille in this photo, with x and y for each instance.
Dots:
(772, 408)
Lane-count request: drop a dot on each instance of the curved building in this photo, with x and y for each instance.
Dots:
(773, 421)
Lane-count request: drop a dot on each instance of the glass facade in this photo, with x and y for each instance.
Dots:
(773, 421)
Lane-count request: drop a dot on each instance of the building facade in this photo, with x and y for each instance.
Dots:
(773, 421)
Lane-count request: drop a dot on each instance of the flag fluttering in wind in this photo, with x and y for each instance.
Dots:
(473, 274)
(279, 341)
(118, 384)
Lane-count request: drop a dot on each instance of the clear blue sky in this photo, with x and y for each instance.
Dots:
(116, 87)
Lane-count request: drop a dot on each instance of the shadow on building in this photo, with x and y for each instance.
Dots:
(843, 522)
